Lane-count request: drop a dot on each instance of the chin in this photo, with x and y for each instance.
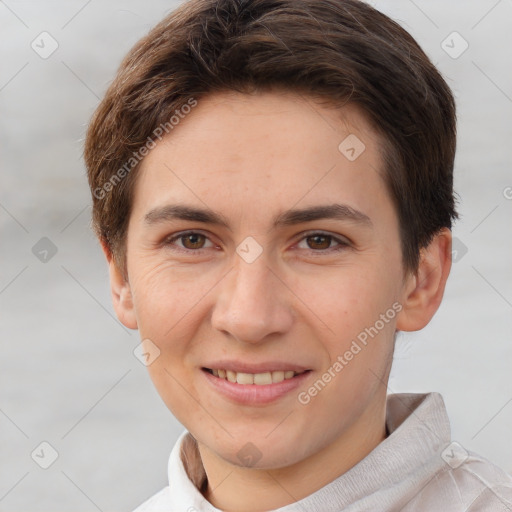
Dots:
(260, 451)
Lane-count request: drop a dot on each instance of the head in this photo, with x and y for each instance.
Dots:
(272, 187)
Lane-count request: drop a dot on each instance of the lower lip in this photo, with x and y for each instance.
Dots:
(254, 394)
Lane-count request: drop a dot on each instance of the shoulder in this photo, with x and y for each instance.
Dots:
(159, 502)
(468, 482)
(492, 485)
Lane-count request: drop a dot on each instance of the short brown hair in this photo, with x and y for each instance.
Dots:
(338, 50)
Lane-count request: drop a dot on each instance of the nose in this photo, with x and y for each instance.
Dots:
(252, 303)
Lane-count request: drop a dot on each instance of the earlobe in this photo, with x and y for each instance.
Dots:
(121, 292)
(423, 290)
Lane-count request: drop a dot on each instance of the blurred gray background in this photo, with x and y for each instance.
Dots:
(68, 375)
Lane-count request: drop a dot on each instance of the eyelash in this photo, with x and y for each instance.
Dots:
(342, 244)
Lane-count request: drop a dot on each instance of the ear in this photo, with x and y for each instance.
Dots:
(424, 289)
(121, 292)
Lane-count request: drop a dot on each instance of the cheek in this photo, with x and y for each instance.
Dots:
(171, 304)
(164, 295)
(350, 300)
(357, 308)
(168, 307)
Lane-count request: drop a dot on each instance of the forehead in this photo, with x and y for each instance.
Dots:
(249, 154)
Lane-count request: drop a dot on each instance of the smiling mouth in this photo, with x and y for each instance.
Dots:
(261, 379)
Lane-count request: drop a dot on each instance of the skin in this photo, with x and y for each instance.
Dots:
(250, 158)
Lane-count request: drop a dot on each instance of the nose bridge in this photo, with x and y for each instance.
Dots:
(250, 305)
(251, 284)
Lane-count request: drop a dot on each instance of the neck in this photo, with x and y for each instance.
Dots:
(233, 488)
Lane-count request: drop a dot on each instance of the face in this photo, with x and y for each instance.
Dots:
(259, 249)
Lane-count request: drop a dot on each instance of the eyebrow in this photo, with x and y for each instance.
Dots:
(288, 218)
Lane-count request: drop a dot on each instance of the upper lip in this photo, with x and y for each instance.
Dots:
(264, 366)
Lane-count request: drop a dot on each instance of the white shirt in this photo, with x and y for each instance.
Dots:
(417, 468)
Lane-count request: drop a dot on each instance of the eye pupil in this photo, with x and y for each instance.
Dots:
(320, 241)
(196, 241)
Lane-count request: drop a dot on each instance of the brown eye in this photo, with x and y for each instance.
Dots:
(189, 242)
(319, 241)
(193, 241)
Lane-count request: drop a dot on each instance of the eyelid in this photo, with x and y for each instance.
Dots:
(169, 240)
(311, 232)
(342, 240)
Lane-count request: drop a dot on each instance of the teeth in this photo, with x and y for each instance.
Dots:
(245, 378)
(263, 378)
(277, 376)
(254, 378)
